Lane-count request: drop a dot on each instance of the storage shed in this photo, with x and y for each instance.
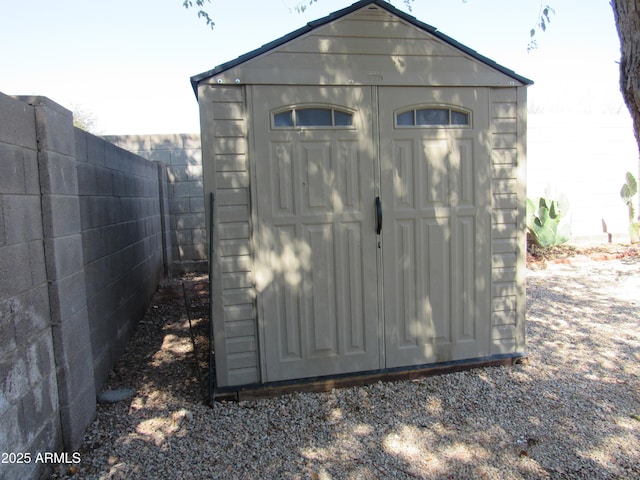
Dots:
(369, 217)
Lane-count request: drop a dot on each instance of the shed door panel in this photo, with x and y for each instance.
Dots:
(436, 197)
(316, 250)
(315, 246)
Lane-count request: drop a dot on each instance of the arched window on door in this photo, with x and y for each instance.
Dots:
(314, 116)
(437, 116)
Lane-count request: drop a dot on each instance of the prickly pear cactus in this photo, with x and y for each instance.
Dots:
(544, 223)
(629, 189)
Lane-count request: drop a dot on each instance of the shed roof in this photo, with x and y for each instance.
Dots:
(309, 27)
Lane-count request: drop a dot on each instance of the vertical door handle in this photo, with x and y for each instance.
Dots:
(378, 216)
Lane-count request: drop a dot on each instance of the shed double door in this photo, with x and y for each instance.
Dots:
(335, 296)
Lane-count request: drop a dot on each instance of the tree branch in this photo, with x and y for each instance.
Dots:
(544, 18)
(202, 13)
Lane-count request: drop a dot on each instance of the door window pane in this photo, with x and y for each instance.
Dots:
(405, 118)
(284, 119)
(342, 119)
(313, 117)
(432, 116)
(459, 118)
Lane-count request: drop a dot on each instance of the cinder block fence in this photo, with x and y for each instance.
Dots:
(84, 240)
(182, 155)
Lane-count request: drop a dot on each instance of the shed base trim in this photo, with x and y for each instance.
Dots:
(323, 384)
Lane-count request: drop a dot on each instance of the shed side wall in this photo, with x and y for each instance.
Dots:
(508, 156)
(226, 173)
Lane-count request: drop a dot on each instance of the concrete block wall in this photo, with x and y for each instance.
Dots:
(62, 232)
(83, 225)
(181, 153)
(29, 409)
(120, 215)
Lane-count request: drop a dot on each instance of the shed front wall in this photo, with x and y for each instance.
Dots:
(230, 153)
(371, 49)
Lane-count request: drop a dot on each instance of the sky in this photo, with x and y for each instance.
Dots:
(127, 63)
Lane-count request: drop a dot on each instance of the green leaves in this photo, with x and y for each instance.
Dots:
(630, 187)
(544, 222)
(543, 21)
(544, 18)
(302, 6)
(628, 190)
(201, 13)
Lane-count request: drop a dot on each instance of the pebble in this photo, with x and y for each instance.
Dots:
(114, 396)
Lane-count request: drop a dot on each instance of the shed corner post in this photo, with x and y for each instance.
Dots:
(521, 172)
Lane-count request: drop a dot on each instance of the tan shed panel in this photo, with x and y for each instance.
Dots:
(365, 47)
(508, 127)
(226, 173)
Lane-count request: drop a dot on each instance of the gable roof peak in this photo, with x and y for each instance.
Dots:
(385, 5)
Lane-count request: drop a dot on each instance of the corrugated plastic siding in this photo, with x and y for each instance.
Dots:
(235, 338)
(507, 164)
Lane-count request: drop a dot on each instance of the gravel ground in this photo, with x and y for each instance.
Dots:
(572, 412)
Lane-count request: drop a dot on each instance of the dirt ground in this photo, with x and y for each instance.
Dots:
(538, 258)
(175, 327)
